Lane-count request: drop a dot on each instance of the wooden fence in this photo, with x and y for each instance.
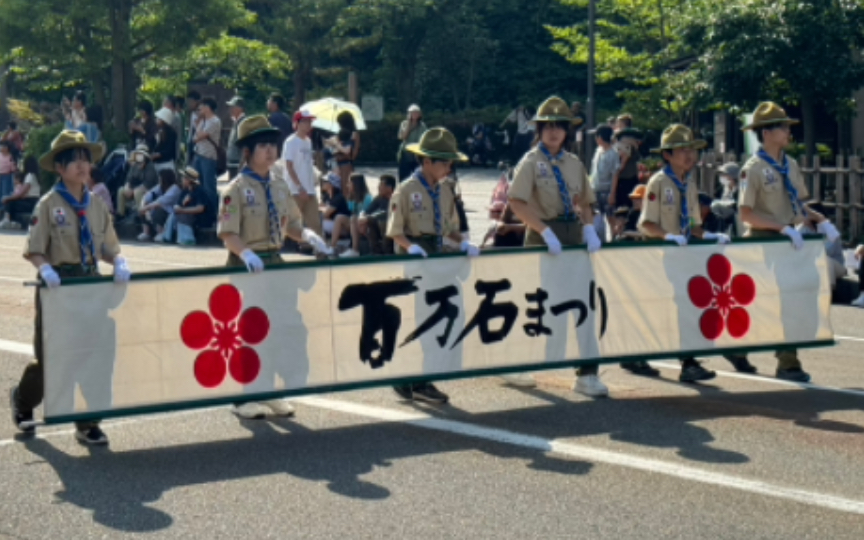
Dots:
(837, 187)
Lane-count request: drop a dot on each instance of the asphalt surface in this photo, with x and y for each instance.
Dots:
(739, 457)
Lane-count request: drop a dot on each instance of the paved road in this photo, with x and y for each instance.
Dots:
(741, 457)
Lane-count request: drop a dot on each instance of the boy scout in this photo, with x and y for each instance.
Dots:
(254, 216)
(422, 214)
(69, 232)
(670, 210)
(770, 191)
(549, 185)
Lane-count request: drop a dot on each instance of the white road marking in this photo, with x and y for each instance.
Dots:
(16, 347)
(849, 338)
(580, 451)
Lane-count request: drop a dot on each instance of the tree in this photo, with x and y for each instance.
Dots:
(95, 42)
(786, 50)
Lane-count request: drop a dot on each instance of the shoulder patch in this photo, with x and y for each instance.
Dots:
(34, 220)
(226, 200)
(652, 197)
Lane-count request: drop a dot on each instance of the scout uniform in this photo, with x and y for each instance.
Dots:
(54, 233)
(675, 208)
(764, 189)
(425, 214)
(416, 206)
(536, 183)
(245, 208)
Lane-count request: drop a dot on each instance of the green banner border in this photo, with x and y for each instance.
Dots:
(360, 261)
(364, 385)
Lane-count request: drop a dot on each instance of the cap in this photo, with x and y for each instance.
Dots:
(638, 192)
(236, 101)
(303, 114)
(414, 108)
(333, 178)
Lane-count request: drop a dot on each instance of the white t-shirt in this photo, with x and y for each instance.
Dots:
(299, 152)
(33, 182)
(523, 121)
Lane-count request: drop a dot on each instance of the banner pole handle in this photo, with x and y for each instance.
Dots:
(31, 424)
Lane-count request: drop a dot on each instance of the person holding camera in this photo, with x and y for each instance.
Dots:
(410, 131)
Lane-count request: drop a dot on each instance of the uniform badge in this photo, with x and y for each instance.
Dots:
(417, 201)
(652, 197)
(542, 169)
(770, 177)
(668, 196)
(59, 216)
(250, 196)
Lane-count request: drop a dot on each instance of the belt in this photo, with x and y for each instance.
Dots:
(423, 237)
(268, 254)
(562, 219)
(76, 270)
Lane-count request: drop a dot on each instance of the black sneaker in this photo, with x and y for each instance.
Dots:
(740, 363)
(404, 391)
(641, 368)
(92, 436)
(793, 375)
(19, 416)
(428, 393)
(692, 372)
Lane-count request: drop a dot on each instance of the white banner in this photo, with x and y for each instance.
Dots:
(173, 340)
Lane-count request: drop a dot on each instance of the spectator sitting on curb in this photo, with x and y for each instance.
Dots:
(372, 222)
(726, 207)
(359, 199)
(337, 216)
(834, 250)
(96, 184)
(159, 205)
(189, 212)
(141, 178)
(24, 196)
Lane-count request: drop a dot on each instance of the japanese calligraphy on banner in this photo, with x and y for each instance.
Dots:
(169, 341)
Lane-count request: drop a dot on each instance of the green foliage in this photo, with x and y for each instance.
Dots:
(38, 143)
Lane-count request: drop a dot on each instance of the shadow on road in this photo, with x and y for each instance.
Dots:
(118, 487)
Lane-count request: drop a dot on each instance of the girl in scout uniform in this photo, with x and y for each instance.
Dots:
(255, 214)
(771, 188)
(670, 210)
(69, 232)
(551, 194)
(422, 214)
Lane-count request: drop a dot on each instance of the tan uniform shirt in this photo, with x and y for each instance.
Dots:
(534, 183)
(412, 212)
(762, 188)
(55, 232)
(243, 211)
(662, 204)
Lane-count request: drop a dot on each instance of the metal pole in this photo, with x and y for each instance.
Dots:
(592, 13)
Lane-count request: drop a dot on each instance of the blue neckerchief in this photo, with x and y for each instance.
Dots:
(685, 213)
(797, 207)
(435, 195)
(562, 186)
(275, 234)
(85, 238)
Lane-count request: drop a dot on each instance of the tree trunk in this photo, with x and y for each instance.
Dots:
(122, 71)
(101, 99)
(808, 106)
(4, 96)
(300, 85)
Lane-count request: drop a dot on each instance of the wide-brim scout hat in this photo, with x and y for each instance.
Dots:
(254, 126)
(767, 114)
(66, 140)
(191, 174)
(437, 143)
(679, 136)
(629, 132)
(554, 109)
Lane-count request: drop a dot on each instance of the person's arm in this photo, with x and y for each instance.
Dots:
(293, 178)
(404, 130)
(355, 151)
(527, 215)
(201, 131)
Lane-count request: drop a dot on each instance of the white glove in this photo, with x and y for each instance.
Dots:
(591, 238)
(679, 239)
(794, 235)
(829, 230)
(49, 276)
(720, 237)
(253, 262)
(469, 249)
(414, 249)
(121, 271)
(552, 241)
(318, 244)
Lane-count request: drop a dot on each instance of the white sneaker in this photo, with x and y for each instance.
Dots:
(591, 386)
(348, 253)
(143, 237)
(15, 226)
(159, 238)
(521, 380)
(5, 224)
(251, 411)
(859, 302)
(280, 407)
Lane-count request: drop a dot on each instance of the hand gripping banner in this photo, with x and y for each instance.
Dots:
(173, 340)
